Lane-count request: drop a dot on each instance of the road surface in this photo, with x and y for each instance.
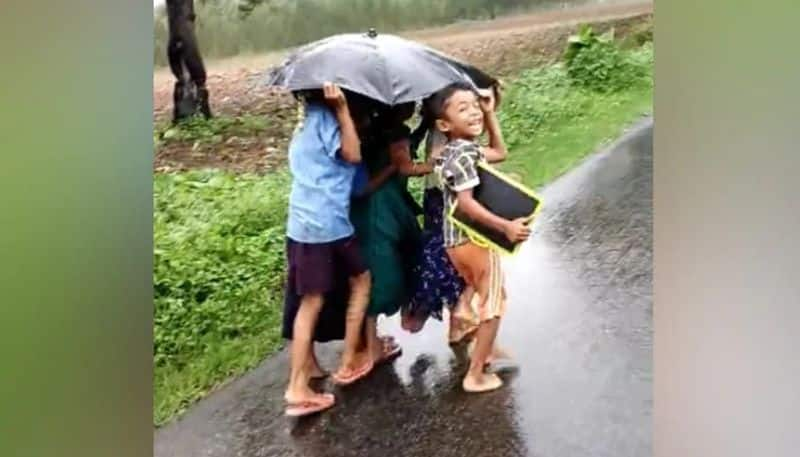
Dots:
(579, 324)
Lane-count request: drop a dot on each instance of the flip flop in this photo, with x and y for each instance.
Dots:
(355, 376)
(306, 408)
(395, 352)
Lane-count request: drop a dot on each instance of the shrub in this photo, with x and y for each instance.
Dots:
(219, 259)
(597, 63)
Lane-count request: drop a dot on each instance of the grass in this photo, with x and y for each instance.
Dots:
(550, 125)
(218, 279)
(219, 238)
(209, 131)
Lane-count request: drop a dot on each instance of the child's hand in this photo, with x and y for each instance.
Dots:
(486, 100)
(517, 230)
(498, 93)
(334, 96)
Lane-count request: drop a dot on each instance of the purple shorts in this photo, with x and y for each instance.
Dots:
(316, 268)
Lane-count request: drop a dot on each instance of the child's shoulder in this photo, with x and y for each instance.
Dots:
(318, 110)
(461, 149)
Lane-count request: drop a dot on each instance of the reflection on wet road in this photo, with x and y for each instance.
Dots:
(578, 325)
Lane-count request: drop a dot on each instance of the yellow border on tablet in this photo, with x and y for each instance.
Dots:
(482, 240)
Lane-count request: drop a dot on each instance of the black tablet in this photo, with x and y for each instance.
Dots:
(504, 197)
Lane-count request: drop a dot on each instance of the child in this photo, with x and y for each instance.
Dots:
(321, 242)
(384, 216)
(437, 282)
(462, 115)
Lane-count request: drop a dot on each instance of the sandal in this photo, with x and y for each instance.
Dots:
(308, 407)
(394, 351)
(357, 374)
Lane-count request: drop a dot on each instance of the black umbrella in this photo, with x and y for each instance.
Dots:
(386, 68)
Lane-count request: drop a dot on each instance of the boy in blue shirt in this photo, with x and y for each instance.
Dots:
(323, 157)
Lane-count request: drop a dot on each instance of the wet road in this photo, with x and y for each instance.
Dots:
(578, 324)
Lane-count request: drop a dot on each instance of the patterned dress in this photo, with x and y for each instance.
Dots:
(437, 284)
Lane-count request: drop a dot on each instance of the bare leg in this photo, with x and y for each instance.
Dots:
(498, 353)
(476, 379)
(463, 320)
(314, 370)
(299, 376)
(352, 359)
(374, 344)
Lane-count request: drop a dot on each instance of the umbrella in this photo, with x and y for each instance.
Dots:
(385, 68)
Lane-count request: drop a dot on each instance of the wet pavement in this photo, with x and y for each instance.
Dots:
(578, 324)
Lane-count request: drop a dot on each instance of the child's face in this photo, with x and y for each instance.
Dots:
(462, 116)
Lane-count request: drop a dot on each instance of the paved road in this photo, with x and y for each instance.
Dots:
(579, 324)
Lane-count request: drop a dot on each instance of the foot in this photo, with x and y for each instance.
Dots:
(307, 402)
(388, 350)
(487, 382)
(412, 323)
(349, 373)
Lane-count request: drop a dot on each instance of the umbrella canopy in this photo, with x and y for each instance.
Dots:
(385, 68)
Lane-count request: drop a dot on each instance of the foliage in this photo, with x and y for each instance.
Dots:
(550, 123)
(640, 35)
(232, 27)
(596, 62)
(214, 130)
(218, 270)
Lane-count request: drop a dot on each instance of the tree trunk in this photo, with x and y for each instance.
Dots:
(190, 95)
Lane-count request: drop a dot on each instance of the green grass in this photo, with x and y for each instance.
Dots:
(550, 125)
(219, 238)
(218, 279)
(209, 131)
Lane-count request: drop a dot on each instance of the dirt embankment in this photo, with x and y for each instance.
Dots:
(502, 47)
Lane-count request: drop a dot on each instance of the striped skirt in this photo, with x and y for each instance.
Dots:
(481, 269)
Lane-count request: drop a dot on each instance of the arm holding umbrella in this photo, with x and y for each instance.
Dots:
(351, 145)
(496, 150)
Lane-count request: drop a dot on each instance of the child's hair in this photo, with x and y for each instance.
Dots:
(362, 108)
(436, 103)
(388, 116)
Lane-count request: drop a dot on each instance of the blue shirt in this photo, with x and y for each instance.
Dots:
(322, 182)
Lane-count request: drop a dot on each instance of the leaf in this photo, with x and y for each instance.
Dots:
(170, 133)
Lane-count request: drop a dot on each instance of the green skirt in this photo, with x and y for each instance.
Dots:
(389, 236)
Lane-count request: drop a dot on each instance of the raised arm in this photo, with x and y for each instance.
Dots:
(496, 150)
(350, 143)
